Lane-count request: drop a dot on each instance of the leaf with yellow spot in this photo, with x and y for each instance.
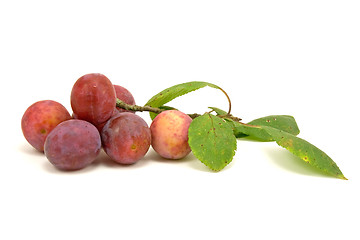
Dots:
(306, 151)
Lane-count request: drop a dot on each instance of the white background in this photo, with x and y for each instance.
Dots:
(272, 57)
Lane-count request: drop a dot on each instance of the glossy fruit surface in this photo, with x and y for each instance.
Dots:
(126, 138)
(93, 98)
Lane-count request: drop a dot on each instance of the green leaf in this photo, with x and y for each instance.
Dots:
(218, 111)
(299, 147)
(306, 151)
(212, 141)
(257, 132)
(283, 122)
(254, 128)
(173, 92)
(244, 130)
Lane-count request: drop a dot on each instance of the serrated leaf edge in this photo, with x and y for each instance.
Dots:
(338, 174)
(156, 96)
(186, 83)
(227, 162)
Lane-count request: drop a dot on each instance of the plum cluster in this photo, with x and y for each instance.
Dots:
(72, 142)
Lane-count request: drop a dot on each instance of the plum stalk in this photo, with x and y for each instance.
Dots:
(137, 108)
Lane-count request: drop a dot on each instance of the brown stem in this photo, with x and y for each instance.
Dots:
(136, 108)
(228, 98)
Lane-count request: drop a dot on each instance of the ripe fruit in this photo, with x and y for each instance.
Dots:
(93, 98)
(73, 145)
(126, 138)
(169, 134)
(40, 119)
(124, 95)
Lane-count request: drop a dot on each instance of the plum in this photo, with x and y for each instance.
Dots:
(124, 95)
(93, 98)
(73, 145)
(40, 119)
(169, 134)
(126, 138)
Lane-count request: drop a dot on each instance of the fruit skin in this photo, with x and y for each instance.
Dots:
(73, 145)
(40, 119)
(124, 95)
(101, 125)
(93, 98)
(169, 134)
(126, 138)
